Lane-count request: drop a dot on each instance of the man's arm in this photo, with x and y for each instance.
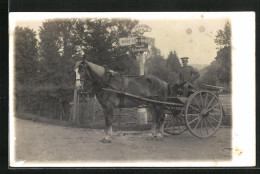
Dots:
(195, 74)
(180, 78)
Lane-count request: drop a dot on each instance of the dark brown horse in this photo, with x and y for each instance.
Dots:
(143, 86)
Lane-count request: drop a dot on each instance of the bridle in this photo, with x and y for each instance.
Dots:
(103, 83)
(88, 82)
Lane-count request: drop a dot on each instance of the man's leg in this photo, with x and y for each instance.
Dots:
(185, 90)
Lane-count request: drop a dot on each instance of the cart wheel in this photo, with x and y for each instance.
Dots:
(175, 124)
(203, 114)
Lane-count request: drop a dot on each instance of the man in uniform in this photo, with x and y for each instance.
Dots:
(187, 76)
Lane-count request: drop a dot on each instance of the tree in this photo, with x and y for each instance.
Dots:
(98, 39)
(25, 55)
(209, 75)
(223, 37)
(156, 64)
(63, 42)
(173, 66)
(224, 60)
(223, 40)
(58, 49)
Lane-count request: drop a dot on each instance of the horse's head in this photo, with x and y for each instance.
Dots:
(83, 79)
(89, 76)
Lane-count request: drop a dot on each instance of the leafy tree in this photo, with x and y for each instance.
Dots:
(223, 37)
(65, 41)
(209, 75)
(57, 51)
(98, 39)
(223, 40)
(25, 55)
(156, 64)
(173, 66)
(224, 70)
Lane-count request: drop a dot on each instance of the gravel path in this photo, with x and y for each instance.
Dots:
(40, 142)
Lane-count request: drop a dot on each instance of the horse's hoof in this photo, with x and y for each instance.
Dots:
(166, 135)
(151, 138)
(159, 138)
(106, 140)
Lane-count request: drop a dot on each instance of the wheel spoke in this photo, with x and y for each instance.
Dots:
(215, 109)
(195, 115)
(194, 108)
(194, 120)
(212, 107)
(215, 115)
(206, 100)
(197, 124)
(180, 120)
(210, 124)
(201, 100)
(201, 125)
(197, 102)
(214, 119)
(210, 102)
(206, 126)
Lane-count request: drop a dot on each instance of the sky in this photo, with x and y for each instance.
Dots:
(189, 38)
(189, 35)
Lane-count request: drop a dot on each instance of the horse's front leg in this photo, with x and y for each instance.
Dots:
(108, 119)
(160, 120)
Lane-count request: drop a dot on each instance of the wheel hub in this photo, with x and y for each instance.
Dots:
(204, 113)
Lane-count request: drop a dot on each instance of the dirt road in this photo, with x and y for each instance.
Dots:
(39, 142)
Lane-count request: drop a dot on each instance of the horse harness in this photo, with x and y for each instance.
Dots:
(108, 76)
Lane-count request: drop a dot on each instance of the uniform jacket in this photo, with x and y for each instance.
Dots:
(188, 74)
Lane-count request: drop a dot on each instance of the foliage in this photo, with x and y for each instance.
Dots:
(219, 71)
(173, 67)
(165, 69)
(156, 64)
(57, 51)
(209, 75)
(25, 55)
(223, 40)
(98, 39)
(224, 59)
(223, 37)
(61, 43)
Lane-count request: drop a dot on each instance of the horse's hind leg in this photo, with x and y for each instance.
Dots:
(153, 130)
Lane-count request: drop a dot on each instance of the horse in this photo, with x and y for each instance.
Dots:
(143, 86)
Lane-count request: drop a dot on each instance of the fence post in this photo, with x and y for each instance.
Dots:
(75, 106)
(94, 109)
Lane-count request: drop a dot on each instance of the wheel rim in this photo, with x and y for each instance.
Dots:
(203, 114)
(175, 124)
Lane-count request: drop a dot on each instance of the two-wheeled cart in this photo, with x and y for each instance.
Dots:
(201, 112)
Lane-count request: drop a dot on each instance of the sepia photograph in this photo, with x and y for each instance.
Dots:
(128, 89)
